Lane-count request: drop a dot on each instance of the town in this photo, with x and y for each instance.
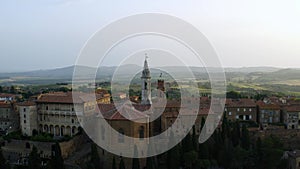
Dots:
(45, 130)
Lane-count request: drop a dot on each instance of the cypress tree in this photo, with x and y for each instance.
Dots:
(122, 164)
(245, 140)
(95, 159)
(34, 161)
(202, 123)
(151, 162)
(56, 161)
(114, 163)
(135, 161)
(173, 156)
(194, 139)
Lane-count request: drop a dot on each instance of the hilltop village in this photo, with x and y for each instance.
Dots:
(56, 118)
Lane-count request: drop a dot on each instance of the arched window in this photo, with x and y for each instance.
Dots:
(142, 132)
(121, 136)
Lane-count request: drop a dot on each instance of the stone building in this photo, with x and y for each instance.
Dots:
(61, 113)
(9, 118)
(291, 116)
(28, 118)
(268, 113)
(241, 109)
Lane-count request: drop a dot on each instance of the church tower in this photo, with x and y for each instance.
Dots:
(146, 84)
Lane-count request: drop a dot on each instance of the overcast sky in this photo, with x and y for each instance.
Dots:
(37, 34)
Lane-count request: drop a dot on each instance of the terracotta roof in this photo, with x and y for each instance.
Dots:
(61, 97)
(110, 112)
(7, 95)
(5, 105)
(28, 103)
(292, 108)
(240, 103)
(269, 106)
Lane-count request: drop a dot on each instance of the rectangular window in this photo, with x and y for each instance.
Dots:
(24, 109)
(24, 121)
(229, 113)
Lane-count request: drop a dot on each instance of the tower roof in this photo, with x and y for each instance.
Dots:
(146, 71)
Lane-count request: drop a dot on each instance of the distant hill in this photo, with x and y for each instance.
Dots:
(255, 74)
(280, 75)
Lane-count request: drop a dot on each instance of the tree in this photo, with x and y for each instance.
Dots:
(194, 139)
(173, 156)
(236, 134)
(135, 161)
(95, 159)
(34, 161)
(190, 158)
(202, 123)
(12, 90)
(122, 164)
(56, 161)
(151, 162)
(187, 144)
(3, 163)
(245, 140)
(114, 163)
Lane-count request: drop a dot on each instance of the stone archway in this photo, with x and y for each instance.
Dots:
(57, 131)
(62, 130)
(46, 129)
(40, 128)
(51, 129)
(68, 131)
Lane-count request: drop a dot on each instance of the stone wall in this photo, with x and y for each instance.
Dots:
(68, 147)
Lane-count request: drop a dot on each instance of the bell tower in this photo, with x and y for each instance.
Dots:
(146, 84)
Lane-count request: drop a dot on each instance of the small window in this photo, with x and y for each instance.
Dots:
(47, 108)
(142, 132)
(238, 109)
(250, 110)
(24, 115)
(24, 121)
(244, 110)
(230, 113)
(24, 109)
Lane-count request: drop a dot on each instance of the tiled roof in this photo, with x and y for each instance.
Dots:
(269, 106)
(110, 112)
(28, 103)
(6, 95)
(61, 97)
(292, 108)
(5, 105)
(240, 103)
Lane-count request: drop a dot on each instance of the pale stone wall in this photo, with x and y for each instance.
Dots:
(28, 119)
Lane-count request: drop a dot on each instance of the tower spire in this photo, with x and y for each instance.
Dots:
(146, 83)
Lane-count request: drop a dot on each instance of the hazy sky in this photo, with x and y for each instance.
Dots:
(37, 34)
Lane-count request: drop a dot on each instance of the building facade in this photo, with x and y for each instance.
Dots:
(268, 113)
(28, 118)
(9, 118)
(241, 109)
(61, 113)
